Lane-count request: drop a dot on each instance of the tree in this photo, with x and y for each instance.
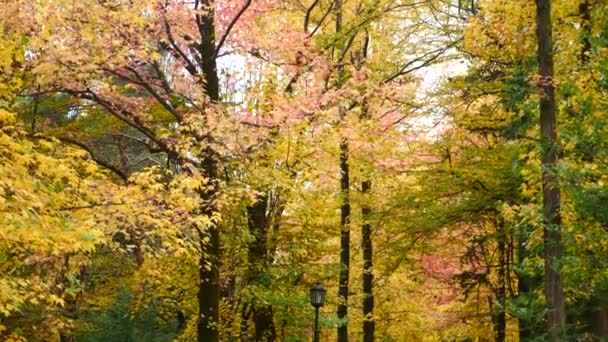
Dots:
(554, 292)
(149, 73)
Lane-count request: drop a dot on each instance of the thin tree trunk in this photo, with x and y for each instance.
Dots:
(369, 324)
(70, 308)
(344, 243)
(554, 293)
(584, 12)
(264, 324)
(501, 317)
(209, 286)
(209, 262)
(598, 319)
(344, 214)
(258, 253)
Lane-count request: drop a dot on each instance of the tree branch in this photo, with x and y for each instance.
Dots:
(189, 65)
(308, 13)
(431, 55)
(230, 26)
(156, 95)
(322, 19)
(120, 173)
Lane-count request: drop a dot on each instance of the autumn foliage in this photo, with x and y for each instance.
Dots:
(186, 170)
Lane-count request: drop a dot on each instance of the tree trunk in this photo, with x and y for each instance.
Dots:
(554, 293)
(209, 262)
(584, 12)
(369, 324)
(209, 286)
(344, 215)
(258, 254)
(501, 317)
(599, 323)
(264, 324)
(70, 307)
(344, 243)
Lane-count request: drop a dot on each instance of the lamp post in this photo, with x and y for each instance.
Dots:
(317, 298)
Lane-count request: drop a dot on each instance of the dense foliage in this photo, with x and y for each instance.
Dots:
(186, 170)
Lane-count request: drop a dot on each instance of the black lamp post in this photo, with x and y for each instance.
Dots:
(317, 298)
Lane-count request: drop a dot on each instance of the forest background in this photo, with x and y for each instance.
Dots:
(151, 189)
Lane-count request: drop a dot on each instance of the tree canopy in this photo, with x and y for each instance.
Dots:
(186, 170)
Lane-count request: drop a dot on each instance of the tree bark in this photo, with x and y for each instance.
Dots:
(344, 243)
(584, 11)
(596, 317)
(369, 324)
(342, 311)
(258, 255)
(70, 308)
(209, 262)
(501, 317)
(209, 286)
(554, 293)
(264, 324)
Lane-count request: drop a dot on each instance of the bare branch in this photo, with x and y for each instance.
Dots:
(308, 13)
(230, 26)
(120, 173)
(426, 59)
(189, 65)
(120, 113)
(91, 206)
(322, 19)
(156, 95)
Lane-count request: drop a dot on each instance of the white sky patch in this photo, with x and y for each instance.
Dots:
(434, 75)
(233, 65)
(433, 78)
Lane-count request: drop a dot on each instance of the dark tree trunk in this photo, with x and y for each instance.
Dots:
(344, 243)
(595, 315)
(66, 338)
(70, 308)
(584, 11)
(258, 256)
(258, 228)
(369, 324)
(501, 317)
(209, 266)
(209, 287)
(554, 293)
(264, 324)
(344, 215)
(207, 50)
(597, 318)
